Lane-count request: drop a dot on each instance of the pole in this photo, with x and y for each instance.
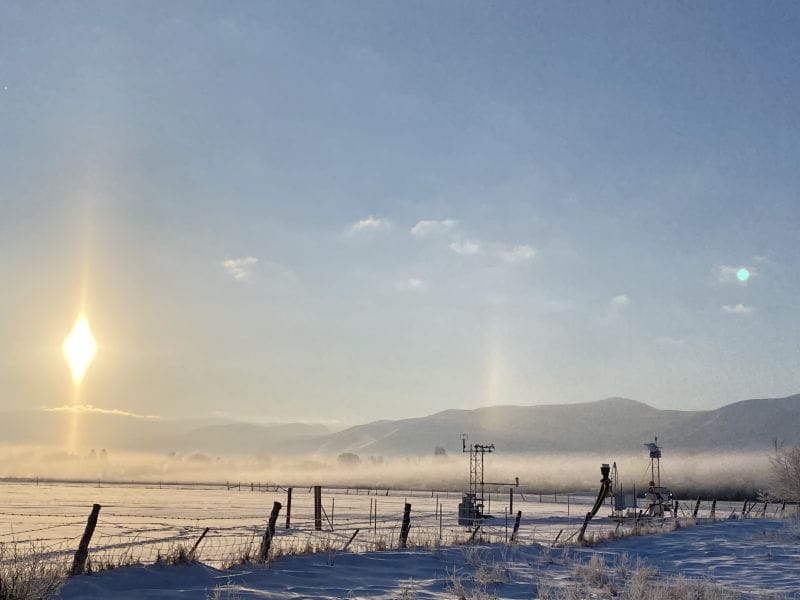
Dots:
(197, 543)
(79, 562)
(266, 541)
(405, 526)
(318, 507)
(516, 526)
(288, 508)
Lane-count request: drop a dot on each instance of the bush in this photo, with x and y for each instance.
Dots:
(28, 576)
(785, 473)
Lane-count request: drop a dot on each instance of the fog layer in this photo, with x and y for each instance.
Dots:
(710, 474)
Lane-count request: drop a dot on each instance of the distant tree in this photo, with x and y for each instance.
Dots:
(439, 451)
(349, 459)
(376, 460)
(785, 475)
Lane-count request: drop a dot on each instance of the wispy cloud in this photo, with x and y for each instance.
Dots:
(240, 268)
(518, 254)
(88, 408)
(620, 301)
(730, 274)
(412, 284)
(466, 247)
(371, 223)
(431, 227)
(668, 341)
(737, 309)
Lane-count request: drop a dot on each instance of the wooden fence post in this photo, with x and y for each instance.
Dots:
(350, 541)
(555, 541)
(474, 533)
(714, 509)
(318, 507)
(197, 543)
(510, 500)
(288, 508)
(405, 526)
(516, 526)
(266, 542)
(79, 562)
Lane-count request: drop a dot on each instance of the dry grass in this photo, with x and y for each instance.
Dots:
(30, 575)
(224, 592)
(593, 538)
(623, 581)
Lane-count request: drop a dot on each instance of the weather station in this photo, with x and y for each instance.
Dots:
(471, 508)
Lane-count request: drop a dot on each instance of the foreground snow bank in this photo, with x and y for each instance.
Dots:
(745, 556)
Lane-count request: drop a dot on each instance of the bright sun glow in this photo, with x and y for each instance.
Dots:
(79, 349)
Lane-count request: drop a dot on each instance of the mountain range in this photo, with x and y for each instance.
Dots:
(612, 424)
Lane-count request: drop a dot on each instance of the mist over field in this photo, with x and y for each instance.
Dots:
(711, 474)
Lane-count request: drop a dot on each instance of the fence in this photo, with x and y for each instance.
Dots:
(140, 523)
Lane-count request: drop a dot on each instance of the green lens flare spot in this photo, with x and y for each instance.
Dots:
(742, 274)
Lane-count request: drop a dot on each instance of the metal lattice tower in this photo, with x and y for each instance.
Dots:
(476, 454)
(655, 463)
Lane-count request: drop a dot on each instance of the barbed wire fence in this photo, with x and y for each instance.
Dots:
(226, 525)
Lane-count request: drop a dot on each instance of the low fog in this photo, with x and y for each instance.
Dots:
(709, 474)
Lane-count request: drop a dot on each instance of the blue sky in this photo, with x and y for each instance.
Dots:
(234, 194)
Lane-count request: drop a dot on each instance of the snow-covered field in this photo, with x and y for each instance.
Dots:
(753, 557)
(138, 522)
(141, 521)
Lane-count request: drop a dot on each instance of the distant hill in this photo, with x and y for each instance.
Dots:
(96, 430)
(613, 424)
(610, 425)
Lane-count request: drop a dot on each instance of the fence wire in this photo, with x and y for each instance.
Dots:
(145, 524)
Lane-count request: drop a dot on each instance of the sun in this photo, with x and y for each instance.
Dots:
(79, 348)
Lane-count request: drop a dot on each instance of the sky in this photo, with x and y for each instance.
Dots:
(348, 211)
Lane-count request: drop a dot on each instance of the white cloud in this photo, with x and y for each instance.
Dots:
(371, 223)
(240, 268)
(465, 247)
(518, 254)
(88, 408)
(621, 300)
(668, 341)
(737, 309)
(730, 274)
(412, 284)
(425, 228)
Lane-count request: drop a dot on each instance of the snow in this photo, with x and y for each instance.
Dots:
(137, 522)
(751, 556)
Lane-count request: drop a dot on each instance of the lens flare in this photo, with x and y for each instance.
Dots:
(743, 274)
(79, 349)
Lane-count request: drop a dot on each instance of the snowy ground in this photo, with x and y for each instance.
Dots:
(139, 522)
(753, 556)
